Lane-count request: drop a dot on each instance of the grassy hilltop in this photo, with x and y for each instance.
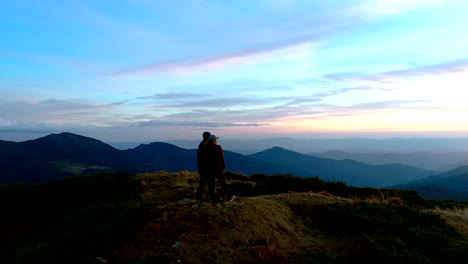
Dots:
(153, 218)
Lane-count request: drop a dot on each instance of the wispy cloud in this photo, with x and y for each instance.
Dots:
(175, 95)
(53, 111)
(205, 100)
(277, 38)
(295, 109)
(198, 124)
(16, 126)
(459, 65)
(253, 55)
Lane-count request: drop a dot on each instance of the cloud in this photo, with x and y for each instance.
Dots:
(152, 123)
(391, 104)
(298, 108)
(203, 100)
(267, 38)
(251, 109)
(221, 102)
(175, 95)
(302, 101)
(278, 50)
(273, 40)
(454, 66)
(251, 97)
(60, 112)
(16, 126)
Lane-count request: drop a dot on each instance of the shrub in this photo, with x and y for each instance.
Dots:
(236, 176)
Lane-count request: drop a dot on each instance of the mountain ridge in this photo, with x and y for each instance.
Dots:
(84, 154)
(426, 160)
(36, 160)
(452, 184)
(348, 171)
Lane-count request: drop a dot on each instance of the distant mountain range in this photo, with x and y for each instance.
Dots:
(426, 160)
(348, 171)
(352, 145)
(452, 184)
(59, 155)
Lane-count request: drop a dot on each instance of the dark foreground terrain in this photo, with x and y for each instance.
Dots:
(153, 218)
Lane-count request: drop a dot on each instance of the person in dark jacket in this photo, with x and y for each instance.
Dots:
(215, 165)
(201, 164)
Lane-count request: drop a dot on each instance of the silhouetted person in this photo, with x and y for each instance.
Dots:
(215, 169)
(202, 164)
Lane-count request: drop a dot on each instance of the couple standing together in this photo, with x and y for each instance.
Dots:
(211, 165)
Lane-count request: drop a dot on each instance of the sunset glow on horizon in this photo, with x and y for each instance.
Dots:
(159, 70)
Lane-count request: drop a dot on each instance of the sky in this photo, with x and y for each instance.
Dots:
(148, 70)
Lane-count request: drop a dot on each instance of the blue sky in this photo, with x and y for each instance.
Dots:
(142, 70)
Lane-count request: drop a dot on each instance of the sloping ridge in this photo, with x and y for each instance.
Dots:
(349, 171)
(85, 149)
(160, 156)
(452, 184)
(455, 178)
(425, 160)
(55, 156)
(64, 154)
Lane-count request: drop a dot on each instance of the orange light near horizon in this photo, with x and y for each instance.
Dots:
(383, 120)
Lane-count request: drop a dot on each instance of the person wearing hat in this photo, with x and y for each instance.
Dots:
(216, 165)
(201, 164)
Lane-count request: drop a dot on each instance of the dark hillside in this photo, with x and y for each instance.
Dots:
(75, 147)
(153, 218)
(67, 154)
(424, 160)
(251, 165)
(454, 172)
(456, 182)
(449, 185)
(56, 156)
(452, 184)
(434, 179)
(19, 164)
(435, 191)
(160, 156)
(348, 171)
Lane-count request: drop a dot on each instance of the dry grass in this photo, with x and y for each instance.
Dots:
(278, 228)
(457, 217)
(382, 198)
(262, 229)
